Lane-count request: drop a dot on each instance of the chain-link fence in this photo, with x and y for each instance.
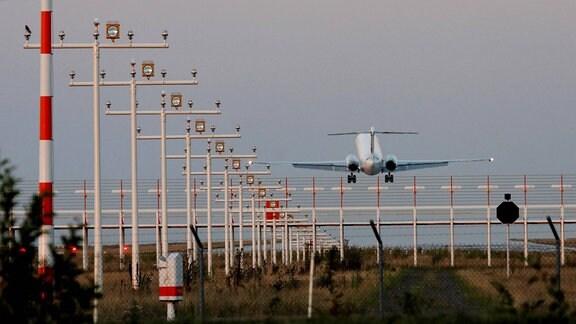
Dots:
(452, 263)
(350, 288)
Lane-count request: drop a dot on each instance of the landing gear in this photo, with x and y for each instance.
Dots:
(389, 177)
(352, 178)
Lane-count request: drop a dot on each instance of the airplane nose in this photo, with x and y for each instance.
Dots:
(372, 166)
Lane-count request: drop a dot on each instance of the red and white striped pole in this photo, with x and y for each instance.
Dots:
(46, 153)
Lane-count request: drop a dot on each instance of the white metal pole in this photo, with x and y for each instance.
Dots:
(378, 217)
(525, 224)
(195, 221)
(285, 239)
(297, 245)
(311, 284)
(264, 237)
(164, 181)
(226, 220)
(258, 237)
(341, 221)
(290, 243)
(304, 246)
(415, 227)
(451, 223)
(134, 175)
(562, 256)
(282, 241)
(255, 247)
(313, 217)
(189, 242)
(488, 223)
(98, 275)
(232, 257)
(273, 238)
(240, 218)
(170, 309)
(209, 207)
(314, 238)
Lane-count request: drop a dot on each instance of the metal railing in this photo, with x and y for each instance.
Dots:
(414, 211)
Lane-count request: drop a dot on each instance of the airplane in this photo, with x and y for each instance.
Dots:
(370, 160)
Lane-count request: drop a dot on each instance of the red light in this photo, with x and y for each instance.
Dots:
(126, 249)
(22, 250)
(73, 249)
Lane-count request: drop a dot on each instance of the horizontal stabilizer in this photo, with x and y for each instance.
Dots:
(369, 132)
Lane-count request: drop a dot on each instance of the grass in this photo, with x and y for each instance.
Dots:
(349, 290)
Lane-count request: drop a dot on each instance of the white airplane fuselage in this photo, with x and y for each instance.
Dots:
(369, 154)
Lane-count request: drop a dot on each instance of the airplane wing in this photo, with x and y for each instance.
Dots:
(321, 165)
(404, 165)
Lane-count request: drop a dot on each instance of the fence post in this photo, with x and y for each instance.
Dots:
(380, 271)
(557, 249)
(488, 223)
(201, 270)
(311, 283)
(415, 225)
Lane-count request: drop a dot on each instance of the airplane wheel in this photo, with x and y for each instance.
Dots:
(391, 178)
(349, 179)
(354, 179)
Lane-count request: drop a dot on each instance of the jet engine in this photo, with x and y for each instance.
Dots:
(352, 162)
(391, 162)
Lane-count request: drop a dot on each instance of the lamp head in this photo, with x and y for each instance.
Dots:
(112, 31)
(175, 100)
(200, 126)
(148, 69)
(220, 147)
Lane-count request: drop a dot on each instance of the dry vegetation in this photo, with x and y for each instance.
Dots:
(348, 290)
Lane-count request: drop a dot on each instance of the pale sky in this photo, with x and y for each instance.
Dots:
(474, 78)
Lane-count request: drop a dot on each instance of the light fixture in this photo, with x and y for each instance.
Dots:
(148, 69)
(200, 126)
(250, 179)
(220, 147)
(236, 164)
(112, 30)
(175, 100)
